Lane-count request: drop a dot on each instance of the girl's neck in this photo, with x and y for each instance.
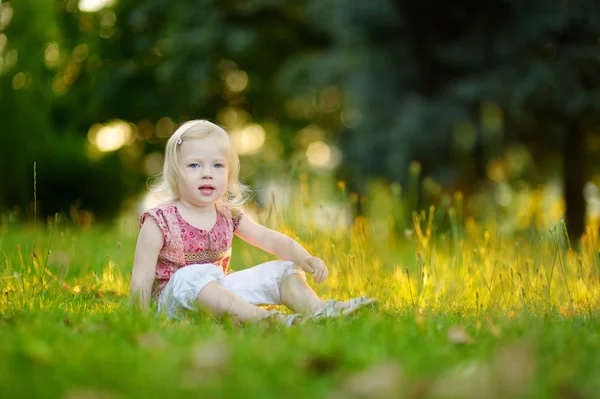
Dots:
(198, 210)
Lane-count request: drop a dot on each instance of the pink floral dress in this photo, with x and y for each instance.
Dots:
(185, 244)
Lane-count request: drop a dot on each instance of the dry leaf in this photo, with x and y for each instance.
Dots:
(469, 380)
(494, 329)
(458, 335)
(207, 361)
(151, 341)
(211, 355)
(380, 381)
(514, 369)
(509, 375)
(419, 388)
(568, 392)
(321, 364)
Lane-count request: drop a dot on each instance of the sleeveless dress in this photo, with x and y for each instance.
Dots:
(191, 258)
(185, 244)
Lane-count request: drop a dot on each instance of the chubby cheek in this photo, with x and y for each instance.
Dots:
(187, 180)
(223, 184)
(193, 177)
(223, 177)
(191, 173)
(188, 183)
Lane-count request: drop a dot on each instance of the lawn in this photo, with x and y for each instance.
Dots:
(467, 313)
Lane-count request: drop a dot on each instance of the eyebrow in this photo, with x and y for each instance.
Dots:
(193, 158)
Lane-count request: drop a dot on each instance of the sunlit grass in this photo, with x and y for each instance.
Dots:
(465, 310)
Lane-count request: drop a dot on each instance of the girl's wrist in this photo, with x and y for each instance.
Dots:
(304, 259)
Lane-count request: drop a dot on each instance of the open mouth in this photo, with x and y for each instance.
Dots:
(206, 189)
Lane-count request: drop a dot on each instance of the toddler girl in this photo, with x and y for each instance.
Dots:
(184, 245)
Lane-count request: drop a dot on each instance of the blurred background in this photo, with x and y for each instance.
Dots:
(489, 108)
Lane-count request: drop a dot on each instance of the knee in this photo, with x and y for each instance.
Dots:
(184, 286)
(283, 269)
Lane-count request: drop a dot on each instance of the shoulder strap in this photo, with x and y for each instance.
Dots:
(166, 218)
(233, 215)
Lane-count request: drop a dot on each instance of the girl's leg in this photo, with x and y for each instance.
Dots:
(218, 301)
(275, 283)
(200, 286)
(297, 295)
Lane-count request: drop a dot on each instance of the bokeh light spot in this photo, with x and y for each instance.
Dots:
(52, 55)
(233, 118)
(3, 42)
(249, 139)
(10, 60)
(318, 154)
(145, 129)
(95, 5)
(19, 81)
(110, 137)
(80, 52)
(108, 20)
(309, 134)
(6, 14)
(226, 67)
(236, 81)
(165, 127)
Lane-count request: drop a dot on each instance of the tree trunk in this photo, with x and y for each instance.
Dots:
(573, 180)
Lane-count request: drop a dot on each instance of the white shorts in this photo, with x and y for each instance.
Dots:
(258, 285)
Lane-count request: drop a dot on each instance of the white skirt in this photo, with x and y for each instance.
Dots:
(258, 285)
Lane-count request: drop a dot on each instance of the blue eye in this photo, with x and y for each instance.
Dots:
(194, 165)
(219, 165)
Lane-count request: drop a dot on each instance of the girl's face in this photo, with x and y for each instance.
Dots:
(205, 172)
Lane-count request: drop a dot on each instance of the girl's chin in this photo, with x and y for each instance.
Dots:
(203, 200)
(202, 204)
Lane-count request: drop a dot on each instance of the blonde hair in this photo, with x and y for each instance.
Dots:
(166, 185)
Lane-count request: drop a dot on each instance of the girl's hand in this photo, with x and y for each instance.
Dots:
(317, 267)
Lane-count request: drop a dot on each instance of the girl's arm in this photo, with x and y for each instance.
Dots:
(149, 244)
(282, 246)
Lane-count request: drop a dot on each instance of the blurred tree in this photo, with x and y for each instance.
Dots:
(437, 82)
(190, 59)
(25, 85)
(145, 62)
(446, 84)
(545, 73)
(180, 59)
(44, 84)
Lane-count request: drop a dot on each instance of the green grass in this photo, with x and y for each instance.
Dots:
(470, 313)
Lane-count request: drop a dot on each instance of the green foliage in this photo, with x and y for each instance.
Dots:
(46, 123)
(67, 177)
(389, 82)
(25, 126)
(416, 70)
(475, 316)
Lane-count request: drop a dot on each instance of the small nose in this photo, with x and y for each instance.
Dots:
(206, 175)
